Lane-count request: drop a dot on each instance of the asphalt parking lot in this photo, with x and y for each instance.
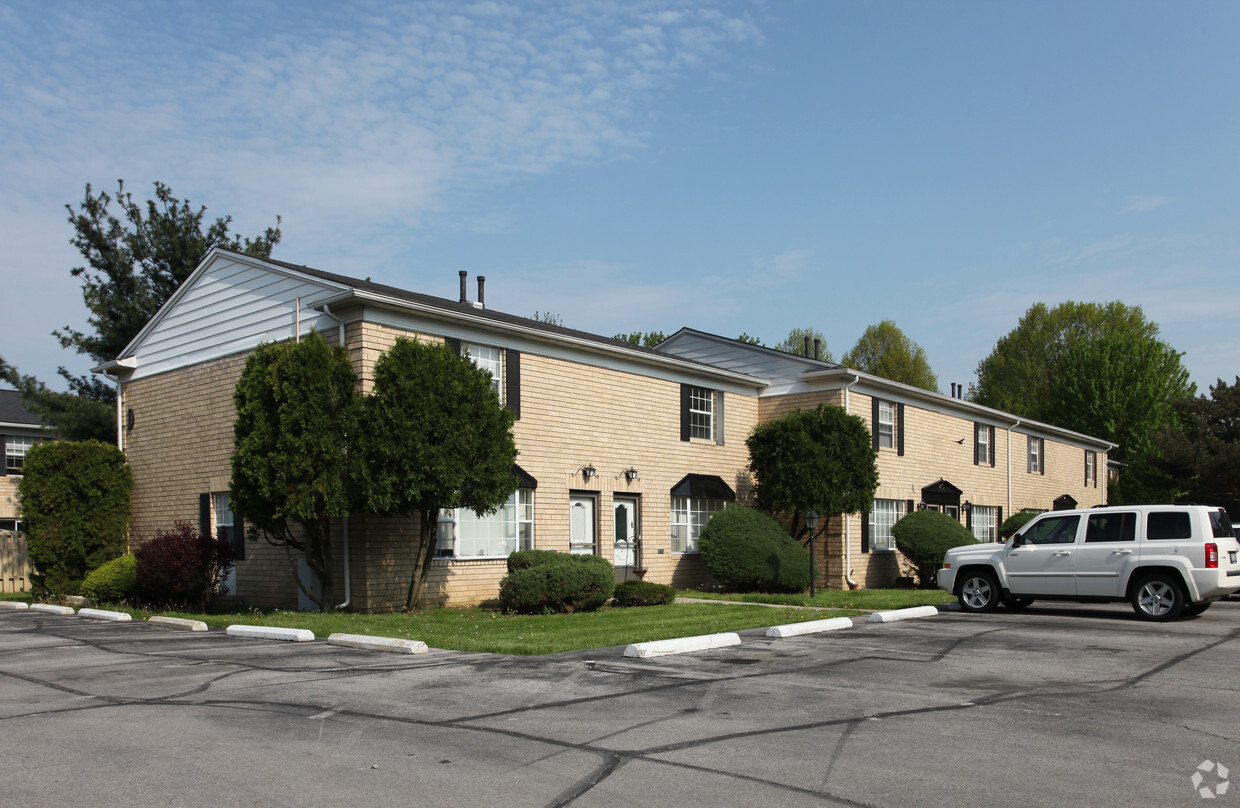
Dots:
(1050, 706)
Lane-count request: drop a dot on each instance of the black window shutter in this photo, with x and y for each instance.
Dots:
(909, 506)
(719, 417)
(977, 446)
(998, 521)
(874, 421)
(204, 514)
(968, 519)
(238, 538)
(1086, 467)
(454, 345)
(512, 381)
(1042, 456)
(900, 418)
(991, 429)
(4, 461)
(865, 532)
(684, 412)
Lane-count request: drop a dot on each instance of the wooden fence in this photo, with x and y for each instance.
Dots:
(14, 563)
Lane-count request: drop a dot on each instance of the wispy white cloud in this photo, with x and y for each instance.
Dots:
(1145, 204)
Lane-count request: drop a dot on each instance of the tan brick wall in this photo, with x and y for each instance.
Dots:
(8, 496)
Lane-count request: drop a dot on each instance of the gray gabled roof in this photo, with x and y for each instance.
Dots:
(13, 412)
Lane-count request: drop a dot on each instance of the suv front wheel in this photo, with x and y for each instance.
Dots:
(979, 591)
(1159, 597)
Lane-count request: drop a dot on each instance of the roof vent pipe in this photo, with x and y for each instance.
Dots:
(807, 347)
(464, 275)
(953, 389)
(817, 343)
(481, 297)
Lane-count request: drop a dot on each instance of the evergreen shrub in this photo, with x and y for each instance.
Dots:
(748, 551)
(557, 582)
(75, 511)
(642, 593)
(114, 582)
(179, 567)
(523, 559)
(925, 537)
(1012, 525)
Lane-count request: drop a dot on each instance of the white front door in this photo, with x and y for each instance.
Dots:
(624, 544)
(581, 525)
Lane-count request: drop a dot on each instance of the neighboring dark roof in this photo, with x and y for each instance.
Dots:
(703, 486)
(467, 308)
(12, 411)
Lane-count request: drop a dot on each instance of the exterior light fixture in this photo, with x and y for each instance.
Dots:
(588, 472)
(630, 474)
(811, 521)
(968, 506)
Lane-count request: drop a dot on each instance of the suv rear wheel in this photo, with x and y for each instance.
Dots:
(1159, 597)
(979, 591)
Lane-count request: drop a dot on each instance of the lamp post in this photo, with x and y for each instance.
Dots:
(811, 521)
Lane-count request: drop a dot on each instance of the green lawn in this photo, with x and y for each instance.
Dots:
(484, 630)
(867, 599)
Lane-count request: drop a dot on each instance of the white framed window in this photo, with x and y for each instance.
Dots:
(701, 413)
(464, 534)
(886, 513)
(886, 425)
(689, 516)
(491, 360)
(1091, 469)
(1036, 452)
(981, 441)
(223, 511)
(15, 449)
(983, 518)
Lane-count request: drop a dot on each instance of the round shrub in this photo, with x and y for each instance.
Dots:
(114, 582)
(642, 593)
(179, 567)
(925, 537)
(566, 583)
(1012, 525)
(523, 559)
(748, 551)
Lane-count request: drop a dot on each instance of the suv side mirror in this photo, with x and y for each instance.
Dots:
(1017, 540)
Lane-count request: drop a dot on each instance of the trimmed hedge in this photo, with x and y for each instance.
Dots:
(925, 537)
(748, 551)
(643, 593)
(114, 582)
(75, 511)
(542, 581)
(1012, 525)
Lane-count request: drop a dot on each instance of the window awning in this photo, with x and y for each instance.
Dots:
(524, 480)
(703, 486)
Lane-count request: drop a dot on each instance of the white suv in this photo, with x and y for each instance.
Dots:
(1167, 560)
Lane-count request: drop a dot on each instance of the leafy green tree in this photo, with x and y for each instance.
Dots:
(1120, 388)
(748, 340)
(821, 459)
(71, 416)
(796, 344)
(884, 350)
(1198, 457)
(648, 339)
(433, 436)
(548, 318)
(1018, 375)
(297, 407)
(75, 509)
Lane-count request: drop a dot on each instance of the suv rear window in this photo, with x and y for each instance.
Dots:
(1112, 527)
(1220, 524)
(1168, 525)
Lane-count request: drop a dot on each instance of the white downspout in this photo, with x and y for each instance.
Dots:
(852, 584)
(1009, 472)
(348, 583)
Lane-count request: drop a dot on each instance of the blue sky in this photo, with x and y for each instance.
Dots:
(731, 167)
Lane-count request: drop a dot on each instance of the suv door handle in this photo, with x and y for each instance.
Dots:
(1063, 552)
(1121, 552)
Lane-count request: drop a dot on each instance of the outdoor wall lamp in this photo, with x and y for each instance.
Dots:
(968, 506)
(630, 474)
(588, 472)
(811, 521)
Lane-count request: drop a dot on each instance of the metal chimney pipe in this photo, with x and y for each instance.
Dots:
(953, 389)
(464, 275)
(807, 347)
(816, 346)
(481, 298)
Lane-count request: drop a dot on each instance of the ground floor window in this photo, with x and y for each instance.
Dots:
(885, 514)
(464, 534)
(689, 516)
(983, 519)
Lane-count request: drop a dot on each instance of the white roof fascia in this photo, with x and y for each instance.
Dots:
(13, 425)
(537, 334)
(1000, 418)
(198, 272)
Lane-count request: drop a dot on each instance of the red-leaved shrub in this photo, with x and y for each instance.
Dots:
(180, 567)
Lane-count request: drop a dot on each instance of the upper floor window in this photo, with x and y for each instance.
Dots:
(15, 449)
(983, 445)
(701, 414)
(464, 534)
(1091, 469)
(491, 360)
(1037, 458)
(886, 425)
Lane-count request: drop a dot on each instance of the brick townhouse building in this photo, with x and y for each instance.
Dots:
(624, 451)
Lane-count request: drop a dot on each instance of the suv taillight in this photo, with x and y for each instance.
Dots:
(1211, 555)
